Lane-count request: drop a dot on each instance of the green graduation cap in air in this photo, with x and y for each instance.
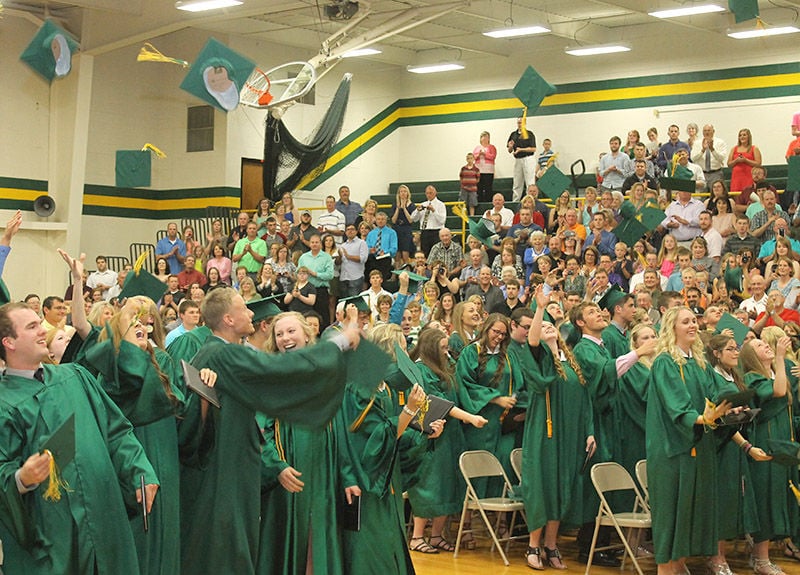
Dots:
(141, 282)
(612, 297)
(793, 175)
(133, 168)
(728, 321)
(49, 54)
(218, 75)
(264, 308)
(483, 230)
(553, 183)
(414, 280)
(531, 89)
(636, 223)
(743, 10)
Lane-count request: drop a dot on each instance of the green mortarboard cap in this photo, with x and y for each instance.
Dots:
(142, 283)
(784, 452)
(630, 231)
(50, 52)
(407, 367)
(483, 230)
(218, 75)
(627, 209)
(728, 321)
(793, 175)
(366, 354)
(414, 280)
(133, 168)
(612, 297)
(553, 183)
(570, 334)
(743, 10)
(678, 184)
(531, 89)
(650, 216)
(264, 308)
(61, 443)
(358, 300)
(5, 297)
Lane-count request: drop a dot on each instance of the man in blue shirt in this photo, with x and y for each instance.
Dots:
(351, 210)
(172, 249)
(382, 244)
(599, 238)
(668, 148)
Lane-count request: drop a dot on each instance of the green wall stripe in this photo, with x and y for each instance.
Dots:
(22, 184)
(122, 212)
(149, 194)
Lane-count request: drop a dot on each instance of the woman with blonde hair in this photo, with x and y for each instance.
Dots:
(742, 158)
(369, 214)
(401, 223)
(555, 442)
(300, 471)
(681, 458)
(439, 491)
(466, 319)
(100, 313)
(290, 212)
(371, 438)
(765, 372)
(429, 299)
(736, 501)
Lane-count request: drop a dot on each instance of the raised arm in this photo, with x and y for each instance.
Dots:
(79, 321)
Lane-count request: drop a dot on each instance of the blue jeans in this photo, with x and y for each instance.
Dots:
(350, 288)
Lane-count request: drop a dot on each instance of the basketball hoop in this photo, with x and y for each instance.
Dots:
(258, 83)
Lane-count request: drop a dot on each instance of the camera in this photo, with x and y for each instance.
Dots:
(745, 259)
(441, 271)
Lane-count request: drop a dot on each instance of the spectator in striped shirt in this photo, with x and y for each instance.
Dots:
(469, 176)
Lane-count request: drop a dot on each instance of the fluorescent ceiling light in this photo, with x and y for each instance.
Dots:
(595, 50)
(361, 52)
(432, 68)
(761, 32)
(687, 11)
(515, 32)
(203, 5)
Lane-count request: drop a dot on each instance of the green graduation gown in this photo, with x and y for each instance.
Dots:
(220, 500)
(632, 401)
(475, 393)
(616, 343)
(777, 509)
(553, 484)
(736, 499)
(681, 461)
(288, 520)
(368, 458)
(87, 530)
(600, 372)
(440, 488)
(130, 379)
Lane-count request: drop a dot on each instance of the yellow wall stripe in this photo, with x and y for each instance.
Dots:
(159, 205)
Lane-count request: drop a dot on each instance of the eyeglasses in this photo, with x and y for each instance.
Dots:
(731, 349)
(498, 332)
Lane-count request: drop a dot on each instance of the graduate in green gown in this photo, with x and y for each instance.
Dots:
(558, 433)
(466, 320)
(86, 530)
(632, 400)
(681, 450)
(298, 503)
(440, 490)
(220, 517)
(765, 372)
(370, 438)
(736, 499)
(489, 385)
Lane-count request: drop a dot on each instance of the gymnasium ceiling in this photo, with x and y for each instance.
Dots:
(456, 34)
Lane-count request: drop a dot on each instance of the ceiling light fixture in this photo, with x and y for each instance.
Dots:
(516, 32)
(203, 5)
(688, 11)
(433, 68)
(595, 50)
(361, 52)
(761, 32)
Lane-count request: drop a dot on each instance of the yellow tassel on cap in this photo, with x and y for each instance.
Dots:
(522, 129)
(148, 53)
(795, 490)
(139, 263)
(56, 482)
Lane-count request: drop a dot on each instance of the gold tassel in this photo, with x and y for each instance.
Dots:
(674, 164)
(360, 419)
(422, 411)
(551, 160)
(159, 154)
(522, 129)
(459, 211)
(148, 53)
(795, 490)
(278, 442)
(139, 263)
(56, 482)
(549, 415)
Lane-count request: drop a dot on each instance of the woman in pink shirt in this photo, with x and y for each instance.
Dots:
(485, 153)
(221, 262)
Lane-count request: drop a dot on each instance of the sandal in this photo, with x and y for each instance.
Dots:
(554, 558)
(766, 567)
(790, 550)
(422, 547)
(442, 543)
(719, 568)
(534, 558)
(468, 542)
